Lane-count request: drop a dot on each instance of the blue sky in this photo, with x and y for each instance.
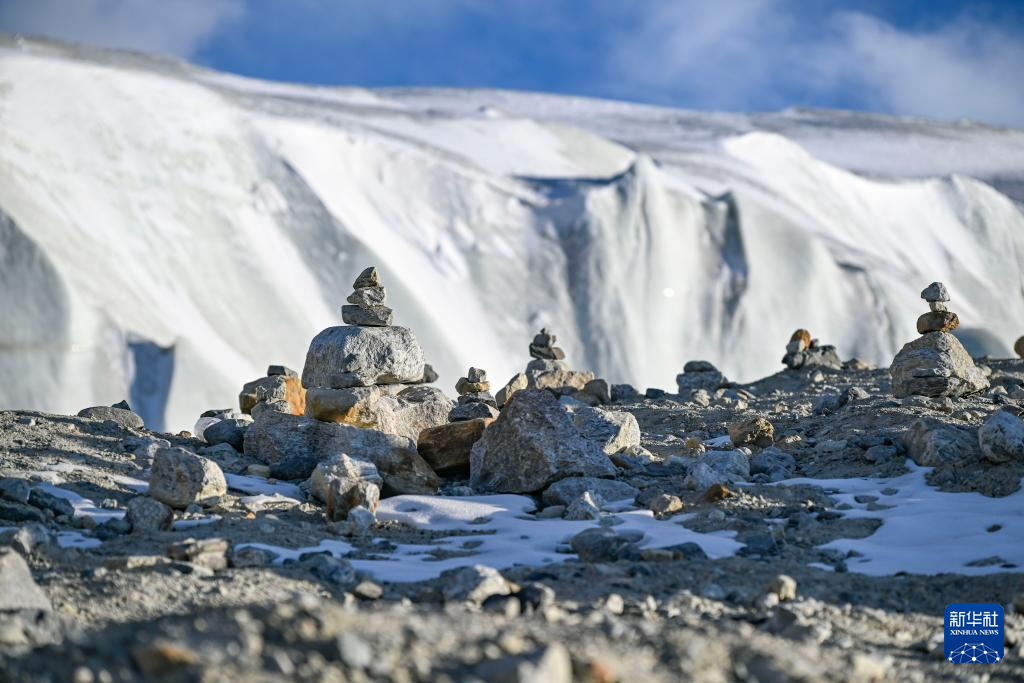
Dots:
(940, 58)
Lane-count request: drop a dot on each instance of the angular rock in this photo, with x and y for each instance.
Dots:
(281, 370)
(531, 445)
(717, 467)
(44, 500)
(341, 467)
(446, 448)
(473, 584)
(1018, 347)
(211, 553)
(599, 389)
(934, 365)
(1002, 437)
(933, 443)
(294, 445)
(348, 356)
(937, 321)
(179, 478)
(368, 278)
(604, 544)
(773, 463)
(231, 432)
(614, 430)
(368, 296)
(699, 374)
(587, 506)
(813, 357)
(18, 590)
(477, 397)
(754, 430)
(406, 413)
(124, 418)
(148, 514)
(546, 664)
(344, 496)
(665, 505)
(472, 411)
(518, 382)
(367, 316)
(565, 491)
(277, 387)
(15, 488)
(936, 291)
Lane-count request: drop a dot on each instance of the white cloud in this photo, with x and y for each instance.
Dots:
(177, 28)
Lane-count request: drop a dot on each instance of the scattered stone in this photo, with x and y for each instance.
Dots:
(211, 553)
(148, 514)
(547, 664)
(179, 478)
(15, 488)
(775, 464)
(599, 389)
(1002, 437)
(715, 493)
(699, 374)
(336, 570)
(231, 432)
(614, 430)
(124, 418)
(345, 495)
(19, 589)
(353, 651)
(604, 544)
(665, 505)
(347, 470)
(587, 506)
(250, 556)
(447, 447)
(45, 500)
(755, 430)
(293, 446)
(531, 445)
(473, 584)
(565, 491)
(782, 586)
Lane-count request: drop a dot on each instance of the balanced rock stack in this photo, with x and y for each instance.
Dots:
(446, 448)
(936, 364)
(475, 399)
(548, 370)
(367, 302)
(804, 352)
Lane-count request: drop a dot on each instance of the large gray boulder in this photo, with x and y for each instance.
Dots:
(293, 446)
(614, 430)
(533, 444)
(933, 443)
(179, 478)
(1002, 437)
(349, 356)
(935, 365)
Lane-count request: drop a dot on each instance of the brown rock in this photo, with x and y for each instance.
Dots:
(162, 657)
(405, 413)
(447, 446)
(665, 505)
(464, 386)
(754, 430)
(1018, 346)
(802, 336)
(343, 496)
(278, 387)
(715, 493)
(518, 382)
(937, 321)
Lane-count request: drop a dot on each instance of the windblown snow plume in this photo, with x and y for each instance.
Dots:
(166, 231)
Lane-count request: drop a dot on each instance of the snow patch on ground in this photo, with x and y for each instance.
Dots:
(928, 531)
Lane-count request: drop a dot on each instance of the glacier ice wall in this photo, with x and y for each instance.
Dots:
(166, 232)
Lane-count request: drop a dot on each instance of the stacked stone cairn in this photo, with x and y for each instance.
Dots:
(548, 370)
(804, 352)
(936, 364)
(446, 448)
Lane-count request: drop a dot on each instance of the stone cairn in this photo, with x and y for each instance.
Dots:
(936, 364)
(939, 318)
(804, 352)
(366, 302)
(547, 369)
(475, 399)
(543, 347)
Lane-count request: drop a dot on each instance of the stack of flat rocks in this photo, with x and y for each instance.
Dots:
(936, 363)
(475, 399)
(545, 355)
(548, 370)
(366, 302)
(804, 352)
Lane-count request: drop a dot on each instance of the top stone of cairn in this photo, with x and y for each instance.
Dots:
(935, 292)
(366, 301)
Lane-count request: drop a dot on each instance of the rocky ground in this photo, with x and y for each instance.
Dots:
(129, 604)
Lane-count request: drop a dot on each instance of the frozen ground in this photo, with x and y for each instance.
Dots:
(161, 223)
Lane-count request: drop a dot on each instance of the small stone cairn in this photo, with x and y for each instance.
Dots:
(548, 370)
(936, 364)
(804, 352)
(475, 399)
(366, 302)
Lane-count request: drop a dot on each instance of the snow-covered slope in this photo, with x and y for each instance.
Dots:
(166, 231)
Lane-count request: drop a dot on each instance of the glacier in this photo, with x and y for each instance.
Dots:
(167, 231)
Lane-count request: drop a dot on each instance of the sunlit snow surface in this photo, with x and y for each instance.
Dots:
(927, 531)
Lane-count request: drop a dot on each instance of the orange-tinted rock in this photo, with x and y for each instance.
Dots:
(754, 430)
(937, 321)
(802, 336)
(447, 447)
(274, 388)
(715, 493)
